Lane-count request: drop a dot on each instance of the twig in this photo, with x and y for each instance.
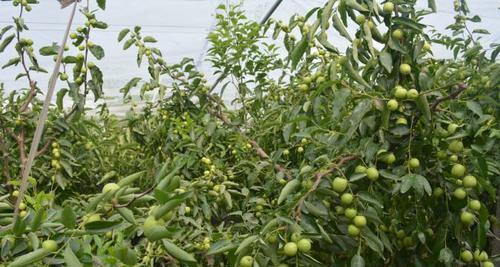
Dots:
(319, 175)
(461, 87)
(44, 148)
(134, 199)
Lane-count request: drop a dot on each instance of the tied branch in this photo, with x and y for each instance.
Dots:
(318, 176)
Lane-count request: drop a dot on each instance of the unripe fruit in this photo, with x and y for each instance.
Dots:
(437, 192)
(414, 163)
(360, 169)
(110, 187)
(246, 261)
(397, 34)
(441, 154)
(426, 47)
(346, 198)
(352, 230)
(453, 158)
(15, 193)
(359, 221)
(290, 249)
(400, 92)
(22, 206)
(412, 94)
(350, 213)
(402, 121)
(286, 152)
(469, 181)
(91, 218)
(459, 193)
(50, 245)
(452, 128)
(388, 7)
(372, 173)
(466, 217)
(73, 35)
(488, 264)
(404, 69)
(389, 158)
(400, 234)
(458, 170)
(360, 19)
(392, 104)
(304, 245)
(63, 76)
(339, 184)
(300, 149)
(303, 87)
(474, 205)
(295, 237)
(456, 146)
(466, 256)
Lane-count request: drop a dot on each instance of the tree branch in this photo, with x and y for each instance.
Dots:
(319, 175)
(461, 87)
(133, 199)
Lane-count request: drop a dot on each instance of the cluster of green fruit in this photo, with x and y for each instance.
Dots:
(480, 256)
(24, 3)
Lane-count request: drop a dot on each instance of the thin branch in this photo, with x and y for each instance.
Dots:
(461, 87)
(134, 199)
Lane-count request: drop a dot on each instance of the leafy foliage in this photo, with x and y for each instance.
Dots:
(381, 155)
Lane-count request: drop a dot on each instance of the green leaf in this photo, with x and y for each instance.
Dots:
(246, 242)
(340, 27)
(128, 44)
(149, 39)
(132, 83)
(432, 5)
(475, 107)
(446, 256)
(70, 258)
(386, 60)
(326, 13)
(126, 255)
(221, 247)
(97, 51)
(417, 182)
(68, 217)
(49, 50)
(29, 258)
(101, 4)
(357, 261)
(423, 106)
(12, 61)
(298, 51)
(6, 42)
(177, 252)
(127, 214)
(408, 23)
(102, 226)
(130, 179)
(60, 97)
(289, 188)
(123, 33)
